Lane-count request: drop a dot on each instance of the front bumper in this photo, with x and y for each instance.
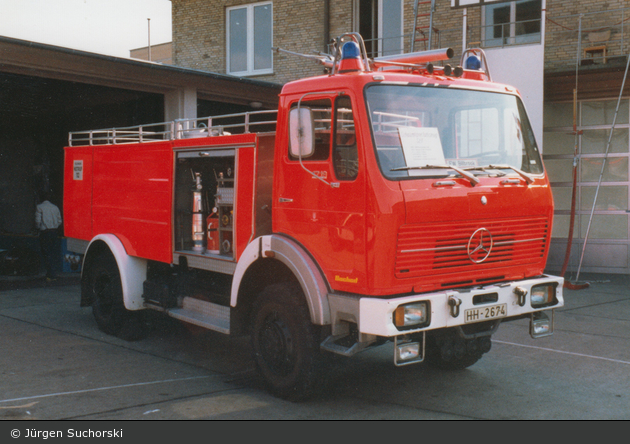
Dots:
(453, 308)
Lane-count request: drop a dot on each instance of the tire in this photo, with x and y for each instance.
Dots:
(108, 306)
(454, 353)
(285, 343)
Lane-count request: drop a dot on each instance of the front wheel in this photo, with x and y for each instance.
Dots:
(285, 342)
(450, 352)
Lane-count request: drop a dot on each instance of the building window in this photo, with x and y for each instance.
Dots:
(512, 23)
(380, 23)
(249, 39)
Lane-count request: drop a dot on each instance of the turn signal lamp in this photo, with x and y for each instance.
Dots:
(413, 315)
(543, 295)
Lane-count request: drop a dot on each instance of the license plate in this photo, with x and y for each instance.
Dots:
(484, 313)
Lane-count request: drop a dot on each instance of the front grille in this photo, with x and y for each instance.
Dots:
(442, 248)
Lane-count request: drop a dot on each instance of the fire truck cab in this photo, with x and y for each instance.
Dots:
(388, 200)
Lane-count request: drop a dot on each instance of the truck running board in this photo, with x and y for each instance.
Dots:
(332, 344)
(203, 314)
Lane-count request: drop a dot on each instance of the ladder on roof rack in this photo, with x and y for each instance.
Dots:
(426, 31)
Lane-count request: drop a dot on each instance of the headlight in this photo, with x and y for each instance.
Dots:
(543, 295)
(407, 352)
(540, 325)
(413, 315)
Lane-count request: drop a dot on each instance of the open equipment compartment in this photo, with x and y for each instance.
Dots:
(204, 193)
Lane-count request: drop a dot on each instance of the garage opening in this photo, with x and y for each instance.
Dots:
(36, 115)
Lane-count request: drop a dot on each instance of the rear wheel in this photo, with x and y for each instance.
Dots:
(285, 342)
(108, 306)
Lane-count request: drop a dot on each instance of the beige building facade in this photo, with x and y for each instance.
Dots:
(209, 34)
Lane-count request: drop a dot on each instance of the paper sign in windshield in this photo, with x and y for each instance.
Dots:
(462, 163)
(421, 146)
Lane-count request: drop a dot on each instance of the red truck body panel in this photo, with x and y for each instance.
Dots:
(127, 190)
(77, 189)
(131, 197)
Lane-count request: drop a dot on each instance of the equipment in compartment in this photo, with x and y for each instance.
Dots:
(198, 226)
(225, 204)
(213, 231)
(209, 208)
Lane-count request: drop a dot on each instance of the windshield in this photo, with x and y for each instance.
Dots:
(424, 130)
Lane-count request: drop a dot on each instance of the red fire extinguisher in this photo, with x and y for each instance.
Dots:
(213, 232)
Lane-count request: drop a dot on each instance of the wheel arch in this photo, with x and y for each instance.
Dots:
(132, 270)
(274, 259)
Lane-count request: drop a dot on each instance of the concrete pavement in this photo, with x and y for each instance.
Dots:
(56, 364)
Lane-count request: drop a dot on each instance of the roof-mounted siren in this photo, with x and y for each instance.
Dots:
(350, 58)
(350, 54)
(420, 60)
(475, 64)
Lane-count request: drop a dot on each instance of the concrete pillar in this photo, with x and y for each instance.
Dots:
(180, 104)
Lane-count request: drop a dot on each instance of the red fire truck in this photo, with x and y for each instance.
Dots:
(387, 200)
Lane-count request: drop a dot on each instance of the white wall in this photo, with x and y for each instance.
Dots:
(522, 67)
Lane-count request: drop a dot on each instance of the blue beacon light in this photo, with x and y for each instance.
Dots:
(473, 62)
(350, 50)
(350, 58)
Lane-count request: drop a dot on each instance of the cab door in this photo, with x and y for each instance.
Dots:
(321, 197)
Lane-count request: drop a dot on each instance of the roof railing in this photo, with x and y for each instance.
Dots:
(238, 123)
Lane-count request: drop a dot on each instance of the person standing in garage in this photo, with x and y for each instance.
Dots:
(47, 221)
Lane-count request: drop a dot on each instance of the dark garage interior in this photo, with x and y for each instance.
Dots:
(35, 118)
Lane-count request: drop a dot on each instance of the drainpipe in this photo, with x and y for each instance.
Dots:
(326, 24)
(465, 30)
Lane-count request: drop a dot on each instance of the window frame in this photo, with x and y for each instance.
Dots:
(318, 106)
(250, 51)
(340, 162)
(378, 46)
(512, 38)
(383, 46)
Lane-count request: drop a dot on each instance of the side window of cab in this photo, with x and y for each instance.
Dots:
(316, 130)
(345, 155)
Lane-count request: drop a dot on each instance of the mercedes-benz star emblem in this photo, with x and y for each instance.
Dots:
(479, 245)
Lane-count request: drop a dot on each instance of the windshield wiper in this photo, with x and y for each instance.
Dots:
(529, 179)
(471, 177)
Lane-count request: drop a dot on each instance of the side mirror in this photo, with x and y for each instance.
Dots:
(301, 132)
